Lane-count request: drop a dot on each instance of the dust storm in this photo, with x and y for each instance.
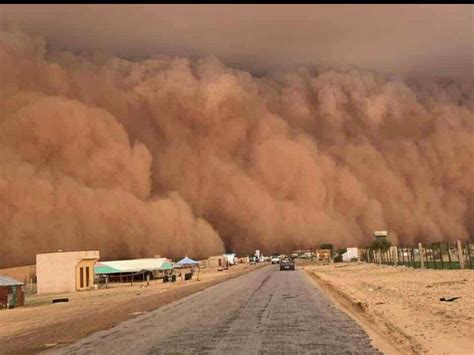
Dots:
(176, 155)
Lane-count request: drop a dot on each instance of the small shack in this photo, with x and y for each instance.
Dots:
(230, 258)
(66, 271)
(352, 254)
(243, 259)
(323, 254)
(216, 261)
(12, 292)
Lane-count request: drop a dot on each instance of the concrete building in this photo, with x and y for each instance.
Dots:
(65, 271)
(216, 261)
(243, 259)
(230, 258)
(11, 292)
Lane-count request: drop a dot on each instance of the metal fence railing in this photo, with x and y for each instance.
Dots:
(441, 255)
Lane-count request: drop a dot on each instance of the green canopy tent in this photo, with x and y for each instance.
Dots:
(168, 272)
(166, 266)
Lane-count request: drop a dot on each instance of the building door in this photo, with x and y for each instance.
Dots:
(87, 276)
(81, 277)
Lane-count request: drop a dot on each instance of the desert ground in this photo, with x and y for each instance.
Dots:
(41, 325)
(402, 305)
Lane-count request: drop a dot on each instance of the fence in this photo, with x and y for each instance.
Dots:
(445, 255)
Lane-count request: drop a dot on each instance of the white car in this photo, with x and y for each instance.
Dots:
(275, 259)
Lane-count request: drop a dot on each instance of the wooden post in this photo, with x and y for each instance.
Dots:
(427, 259)
(420, 250)
(461, 257)
(469, 254)
(449, 255)
(441, 255)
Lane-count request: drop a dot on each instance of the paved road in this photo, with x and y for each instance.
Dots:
(265, 311)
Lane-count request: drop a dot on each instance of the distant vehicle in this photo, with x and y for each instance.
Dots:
(287, 264)
(275, 259)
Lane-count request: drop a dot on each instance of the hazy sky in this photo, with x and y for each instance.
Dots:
(422, 39)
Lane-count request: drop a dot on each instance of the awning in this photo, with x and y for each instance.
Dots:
(166, 266)
(187, 261)
(105, 269)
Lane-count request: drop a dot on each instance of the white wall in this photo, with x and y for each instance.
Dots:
(56, 272)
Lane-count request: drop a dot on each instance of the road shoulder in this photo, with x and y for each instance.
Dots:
(399, 307)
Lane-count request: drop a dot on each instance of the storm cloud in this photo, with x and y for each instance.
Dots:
(173, 154)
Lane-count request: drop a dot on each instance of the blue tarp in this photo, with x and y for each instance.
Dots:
(187, 261)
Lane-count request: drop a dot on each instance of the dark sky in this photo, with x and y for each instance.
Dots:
(416, 39)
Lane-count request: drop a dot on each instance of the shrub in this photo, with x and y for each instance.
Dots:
(382, 244)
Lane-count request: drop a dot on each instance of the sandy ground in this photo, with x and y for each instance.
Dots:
(402, 305)
(41, 325)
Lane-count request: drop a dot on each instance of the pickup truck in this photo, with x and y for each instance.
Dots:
(287, 264)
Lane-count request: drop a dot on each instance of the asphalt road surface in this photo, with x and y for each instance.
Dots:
(263, 312)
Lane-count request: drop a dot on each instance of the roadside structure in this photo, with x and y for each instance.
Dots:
(26, 273)
(351, 254)
(12, 293)
(230, 258)
(323, 254)
(133, 269)
(187, 262)
(216, 261)
(65, 271)
(243, 259)
(187, 267)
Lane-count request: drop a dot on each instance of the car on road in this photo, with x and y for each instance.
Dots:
(275, 259)
(287, 264)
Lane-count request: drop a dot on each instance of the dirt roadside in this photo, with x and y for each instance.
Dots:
(400, 307)
(29, 330)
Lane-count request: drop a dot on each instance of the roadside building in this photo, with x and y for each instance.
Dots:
(12, 292)
(323, 254)
(351, 254)
(243, 259)
(230, 258)
(65, 271)
(216, 261)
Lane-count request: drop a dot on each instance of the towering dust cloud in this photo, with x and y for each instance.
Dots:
(172, 156)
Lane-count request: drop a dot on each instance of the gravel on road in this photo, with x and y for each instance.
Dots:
(266, 311)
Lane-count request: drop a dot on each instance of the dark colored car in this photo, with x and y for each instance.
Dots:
(287, 264)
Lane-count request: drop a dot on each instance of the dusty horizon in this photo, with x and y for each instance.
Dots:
(180, 150)
(407, 40)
